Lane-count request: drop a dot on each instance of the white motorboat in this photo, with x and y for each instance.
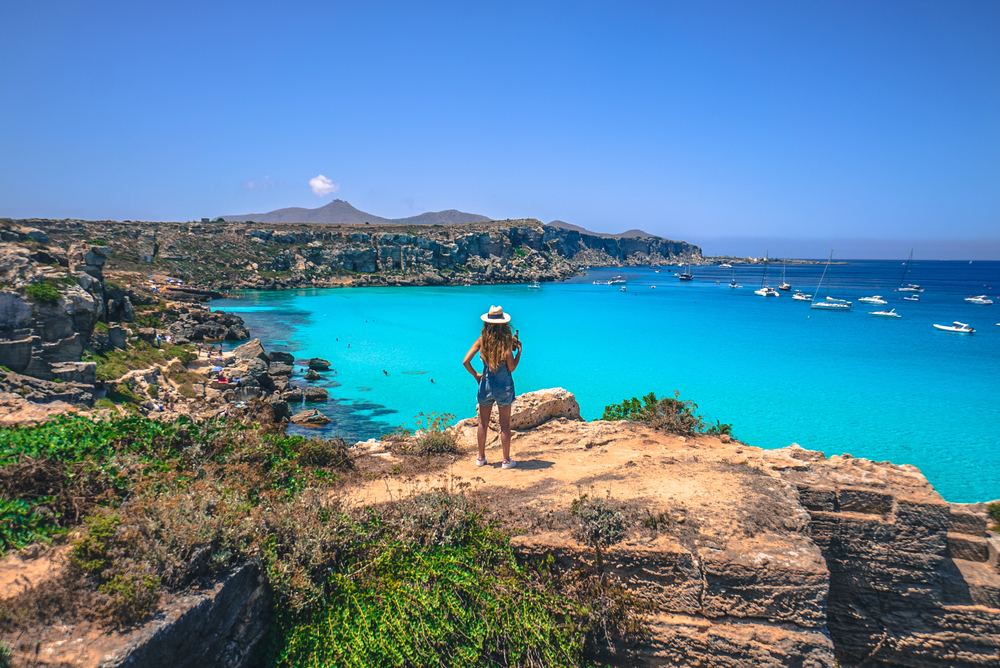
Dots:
(617, 280)
(909, 287)
(911, 298)
(534, 286)
(957, 327)
(829, 303)
(877, 299)
(981, 299)
(891, 313)
(623, 289)
(801, 296)
(726, 266)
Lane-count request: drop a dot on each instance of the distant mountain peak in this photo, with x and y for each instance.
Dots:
(628, 234)
(341, 211)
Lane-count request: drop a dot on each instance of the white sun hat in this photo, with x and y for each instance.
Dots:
(495, 315)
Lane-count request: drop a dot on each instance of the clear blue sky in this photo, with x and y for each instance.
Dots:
(706, 121)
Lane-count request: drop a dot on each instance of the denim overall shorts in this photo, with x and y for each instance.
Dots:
(496, 387)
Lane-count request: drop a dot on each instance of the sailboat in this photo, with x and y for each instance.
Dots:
(765, 289)
(784, 286)
(686, 275)
(909, 287)
(829, 304)
(733, 283)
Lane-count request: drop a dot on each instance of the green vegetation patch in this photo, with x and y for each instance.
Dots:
(666, 414)
(44, 291)
(141, 355)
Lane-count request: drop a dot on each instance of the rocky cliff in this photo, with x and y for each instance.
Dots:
(226, 256)
(57, 311)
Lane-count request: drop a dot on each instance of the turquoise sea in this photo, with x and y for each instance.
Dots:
(779, 372)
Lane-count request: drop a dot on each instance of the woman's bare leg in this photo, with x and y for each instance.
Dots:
(484, 423)
(504, 412)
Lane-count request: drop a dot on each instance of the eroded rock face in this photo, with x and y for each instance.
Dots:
(911, 583)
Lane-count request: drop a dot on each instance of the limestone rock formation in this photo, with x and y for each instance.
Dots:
(310, 418)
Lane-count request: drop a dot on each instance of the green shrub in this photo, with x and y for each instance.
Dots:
(130, 598)
(520, 252)
(92, 553)
(6, 656)
(666, 414)
(96, 242)
(44, 292)
(20, 525)
(994, 512)
(433, 439)
(390, 602)
(103, 403)
(325, 454)
(600, 522)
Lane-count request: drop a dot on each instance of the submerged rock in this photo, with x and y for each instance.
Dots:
(312, 394)
(312, 375)
(311, 418)
(318, 364)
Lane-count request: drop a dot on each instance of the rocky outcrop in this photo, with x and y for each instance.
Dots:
(46, 319)
(911, 582)
(201, 324)
(311, 418)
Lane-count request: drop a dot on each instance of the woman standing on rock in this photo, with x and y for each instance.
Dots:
(495, 345)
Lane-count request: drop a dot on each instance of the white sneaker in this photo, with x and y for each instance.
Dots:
(508, 464)
(480, 461)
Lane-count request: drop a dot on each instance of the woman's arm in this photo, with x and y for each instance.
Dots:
(467, 362)
(512, 360)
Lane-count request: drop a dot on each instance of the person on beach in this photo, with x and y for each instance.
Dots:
(496, 346)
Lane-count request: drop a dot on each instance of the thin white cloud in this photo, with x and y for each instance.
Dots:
(323, 186)
(258, 184)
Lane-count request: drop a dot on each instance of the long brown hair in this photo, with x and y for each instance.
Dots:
(497, 342)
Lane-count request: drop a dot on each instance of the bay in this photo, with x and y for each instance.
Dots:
(779, 372)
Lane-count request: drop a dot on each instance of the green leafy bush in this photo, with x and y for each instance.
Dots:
(333, 452)
(433, 438)
(389, 602)
(670, 415)
(20, 525)
(994, 512)
(44, 292)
